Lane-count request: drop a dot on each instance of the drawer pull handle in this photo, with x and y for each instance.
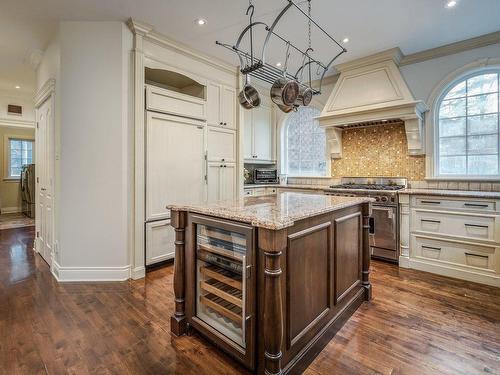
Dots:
(430, 202)
(431, 248)
(477, 255)
(476, 225)
(476, 205)
(430, 221)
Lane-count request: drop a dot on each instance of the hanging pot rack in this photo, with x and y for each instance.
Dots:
(258, 67)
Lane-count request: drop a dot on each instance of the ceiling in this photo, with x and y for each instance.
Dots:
(371, 26)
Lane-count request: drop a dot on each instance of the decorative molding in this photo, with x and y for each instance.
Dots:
(138, 273)
(149, 33)
(11, 210)
(17, 123)
(85, 274)
(452, 48)
(393, 54)
(334, 142)
(47, 89)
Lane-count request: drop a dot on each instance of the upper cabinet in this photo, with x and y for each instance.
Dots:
(221, 105)
(259, 135)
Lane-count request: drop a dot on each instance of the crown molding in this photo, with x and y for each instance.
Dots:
(452, 48)
(14, 123)
(149, 33)
(393, 54)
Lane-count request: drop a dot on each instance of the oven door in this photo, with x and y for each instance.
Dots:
(385, 228)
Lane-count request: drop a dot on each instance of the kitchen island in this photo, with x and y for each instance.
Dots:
(270, 279)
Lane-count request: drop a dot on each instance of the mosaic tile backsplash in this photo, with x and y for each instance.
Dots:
(377, 151)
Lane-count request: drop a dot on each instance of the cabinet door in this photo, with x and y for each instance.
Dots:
(214, 181)
(229, 107)
(214, 104)
(221, 144)
(228, 182)
(262, 133)
(175, 159)
(248, 151)
(160, 238)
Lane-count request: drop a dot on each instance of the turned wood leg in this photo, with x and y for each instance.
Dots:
(178, 320)
(272, 243)
(366, 251)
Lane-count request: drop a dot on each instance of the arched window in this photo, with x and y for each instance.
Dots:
(468, 127)
(304, 144)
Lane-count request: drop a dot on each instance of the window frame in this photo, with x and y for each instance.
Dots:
(472, 70)
(284, 150)
(7, 154)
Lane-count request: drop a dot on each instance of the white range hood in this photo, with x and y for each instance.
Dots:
(369, 92)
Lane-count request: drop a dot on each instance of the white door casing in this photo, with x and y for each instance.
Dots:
(44, 170)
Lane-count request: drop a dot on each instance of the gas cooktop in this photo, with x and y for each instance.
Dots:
(371, 183)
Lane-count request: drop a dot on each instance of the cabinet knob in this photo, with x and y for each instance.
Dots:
(222, 159)
(225, 123)
(221, 166)
(220, 123)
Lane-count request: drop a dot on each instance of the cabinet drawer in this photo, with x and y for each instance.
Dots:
(439, 203)
(468, 226)
(467, 256)
(172, 102)
(259, 191)
(160, 237)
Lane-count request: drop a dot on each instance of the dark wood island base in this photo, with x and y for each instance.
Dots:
(301, 281)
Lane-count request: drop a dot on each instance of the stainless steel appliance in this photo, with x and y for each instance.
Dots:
(385, 210)
(27, 187)
(265, 176)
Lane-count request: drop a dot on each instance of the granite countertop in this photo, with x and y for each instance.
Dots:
(276, 211)
(452, 193)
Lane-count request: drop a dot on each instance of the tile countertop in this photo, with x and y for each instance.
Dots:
(276, 211)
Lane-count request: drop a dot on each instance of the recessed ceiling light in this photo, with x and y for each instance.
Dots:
(345, 40)
(18, 87)
(278, 64)
(201, 21)
(451, 3)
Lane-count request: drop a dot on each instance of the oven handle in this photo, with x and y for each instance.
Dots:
(371, 224)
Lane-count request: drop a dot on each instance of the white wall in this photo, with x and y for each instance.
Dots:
(424, 76)
(24, 100)
(95, 140)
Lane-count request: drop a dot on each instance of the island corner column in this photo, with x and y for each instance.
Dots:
(272, 243)
(365, 282)
(178, 320)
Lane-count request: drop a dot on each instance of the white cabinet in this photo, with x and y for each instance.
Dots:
(221, 105)
(160, 237)
(259, 191)
(171, 102)
(259, 135)
(175, 159)
(221, 181)
(221, 144)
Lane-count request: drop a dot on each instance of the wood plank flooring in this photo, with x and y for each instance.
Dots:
(417, 323)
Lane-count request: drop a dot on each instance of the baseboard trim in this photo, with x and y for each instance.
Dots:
(404, 262)
(89, 274)
(138, 273)
(475, 277)
(11, 210)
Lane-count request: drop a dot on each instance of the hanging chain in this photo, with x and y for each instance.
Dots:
(309, 24)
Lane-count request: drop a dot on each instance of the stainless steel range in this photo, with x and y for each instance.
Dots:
(385, 210)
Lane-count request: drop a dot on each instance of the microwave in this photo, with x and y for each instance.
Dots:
(265, 176)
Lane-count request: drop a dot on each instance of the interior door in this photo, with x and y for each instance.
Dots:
(175, 163)
(43, 171)
(262, 127)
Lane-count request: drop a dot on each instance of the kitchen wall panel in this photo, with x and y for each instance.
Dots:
(377, 151)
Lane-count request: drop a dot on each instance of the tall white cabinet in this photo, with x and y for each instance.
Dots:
(190, 142)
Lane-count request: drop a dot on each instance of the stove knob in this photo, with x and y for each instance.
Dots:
(377, 199)
(383, 199)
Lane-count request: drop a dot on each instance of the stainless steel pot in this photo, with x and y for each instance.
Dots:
(305, 96)
(249, 96)
(284, 91)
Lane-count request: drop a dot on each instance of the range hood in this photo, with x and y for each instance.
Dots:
(372, 92)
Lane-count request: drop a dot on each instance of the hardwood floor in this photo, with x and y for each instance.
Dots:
(417, 323)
